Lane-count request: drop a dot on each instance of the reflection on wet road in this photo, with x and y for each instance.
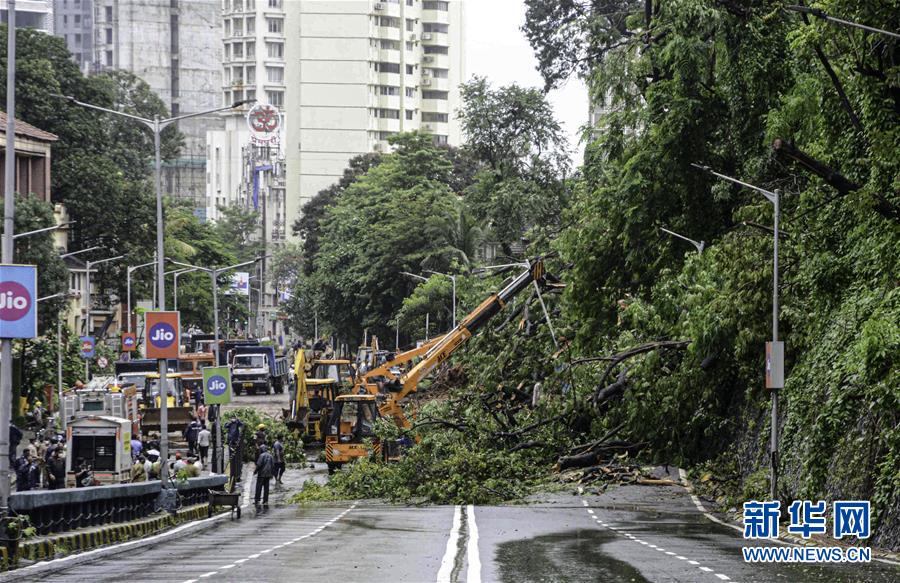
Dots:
(633, 534)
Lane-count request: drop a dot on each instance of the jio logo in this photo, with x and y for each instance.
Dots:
(217, 385)
(128, 342)
(162, 335)
(15, 301)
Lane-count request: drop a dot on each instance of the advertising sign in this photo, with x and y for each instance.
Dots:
(240, 283)
(18, 301)
(162, 334)
(88, 346)
(774, 365)
(129, 341)
(217, 385)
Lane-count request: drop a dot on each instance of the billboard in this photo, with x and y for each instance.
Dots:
(18, 301)
(216, 385)
(162, 334)
(129, 341)
(240, 283)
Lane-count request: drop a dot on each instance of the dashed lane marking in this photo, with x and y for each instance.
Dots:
(633, 538)
(274, 548)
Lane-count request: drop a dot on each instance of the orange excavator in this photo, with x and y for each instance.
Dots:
(380, 391)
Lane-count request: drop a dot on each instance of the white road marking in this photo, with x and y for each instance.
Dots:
(210, 574)
(256, 556)
(191, 581)
(239, 561)
(231, 566)
(473, 573)
(660, 549)
(446, 569)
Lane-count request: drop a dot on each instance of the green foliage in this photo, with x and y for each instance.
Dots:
(275, 429)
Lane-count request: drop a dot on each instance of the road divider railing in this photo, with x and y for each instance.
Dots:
(56, 511)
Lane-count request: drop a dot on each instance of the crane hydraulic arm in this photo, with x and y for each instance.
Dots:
(439, 352)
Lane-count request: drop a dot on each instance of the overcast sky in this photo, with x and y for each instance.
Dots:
(496, 48)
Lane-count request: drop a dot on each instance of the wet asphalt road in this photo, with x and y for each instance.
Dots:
(633, 533)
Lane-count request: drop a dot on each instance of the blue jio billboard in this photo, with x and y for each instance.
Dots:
(18, 301)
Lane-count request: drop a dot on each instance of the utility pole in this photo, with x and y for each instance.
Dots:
(774, 349)
(9, 223)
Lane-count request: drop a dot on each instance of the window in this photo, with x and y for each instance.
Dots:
(251, 49)
(430, 50)
(109, 38)
(238, 77)
(109, 59)
(276, 98)
(251, 26)
(238, 27)
(439, 140)
(391, 45)
(410, 45)
(383, 67)
(77, 19)
(435, 27)
(78, 39)
(274, 3)
(227, 52)
(276, 25)
(440, 73)
(65, 19)
(410, 69)
(108, 13)
(275, 50)
(388, 90)
(275, 74)
(435, 117)
(238, 50)
(227, 27)
(389, 21)
(409, 2)
(251, 75)
(251, 94)
(383, 136)
(409, 114)
(431, 5)
(410, 25)
(410, 91)
(434, 95)
(228, 101)
(388, 113)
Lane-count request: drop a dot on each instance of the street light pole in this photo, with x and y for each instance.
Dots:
(214, 273)
(175, 285)
(59, 370)
(89, 323)
(128, 271)
(700, 245)
(775, 360)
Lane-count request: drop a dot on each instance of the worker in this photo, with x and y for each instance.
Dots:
(179, 463)
(136, 448)
(56, 470)
(278, 455)
(26, 472)
(190, 434)
(191, 468)
(138, 471)
(265, 468)
(204, 439)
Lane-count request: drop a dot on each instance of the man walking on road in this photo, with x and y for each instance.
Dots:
(204, 438)
(265, 468)
(278, 455)
(190, 434)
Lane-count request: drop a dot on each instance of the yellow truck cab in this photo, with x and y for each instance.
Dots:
(351, 426)
(178, 403)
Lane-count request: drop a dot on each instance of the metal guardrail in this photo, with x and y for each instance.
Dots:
(53, 511)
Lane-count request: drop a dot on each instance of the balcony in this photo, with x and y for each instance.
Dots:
(436, 105)
(438, 39)
(386, 9)
(435, 127)
(384, 124)
(388, 32)
(441, 16)
(436, 61)
(434, 83)
(386, 101)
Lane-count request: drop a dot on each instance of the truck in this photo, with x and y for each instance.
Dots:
(135, 371)
(257, 368)
(227, 346)
(178, 404)
(104, 397)
(101, 443)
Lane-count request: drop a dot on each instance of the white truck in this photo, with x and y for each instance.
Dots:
(103, 445)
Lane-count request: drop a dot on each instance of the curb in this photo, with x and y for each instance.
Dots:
(879, 555)
(89, 545)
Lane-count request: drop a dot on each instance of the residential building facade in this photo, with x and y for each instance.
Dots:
(37, 14)
(73, 20)
(360, 71)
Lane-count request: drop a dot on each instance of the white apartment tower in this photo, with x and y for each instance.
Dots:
(36, 14)
(359, 71)
(243, 169)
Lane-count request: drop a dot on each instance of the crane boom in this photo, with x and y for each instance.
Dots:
(441, 351)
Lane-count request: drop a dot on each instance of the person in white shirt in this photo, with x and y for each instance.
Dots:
(203, 441)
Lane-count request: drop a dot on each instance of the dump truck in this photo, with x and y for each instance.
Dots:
(257, 369)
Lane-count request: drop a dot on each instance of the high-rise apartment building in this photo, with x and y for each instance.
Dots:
(246, 164)
(73, 20)
(359, 71)
(175, 46)
(37, 14)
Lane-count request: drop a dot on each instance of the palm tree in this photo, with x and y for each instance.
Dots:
(464, 235)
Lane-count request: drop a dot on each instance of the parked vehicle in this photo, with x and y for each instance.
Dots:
(101, 444)
(257, 368)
